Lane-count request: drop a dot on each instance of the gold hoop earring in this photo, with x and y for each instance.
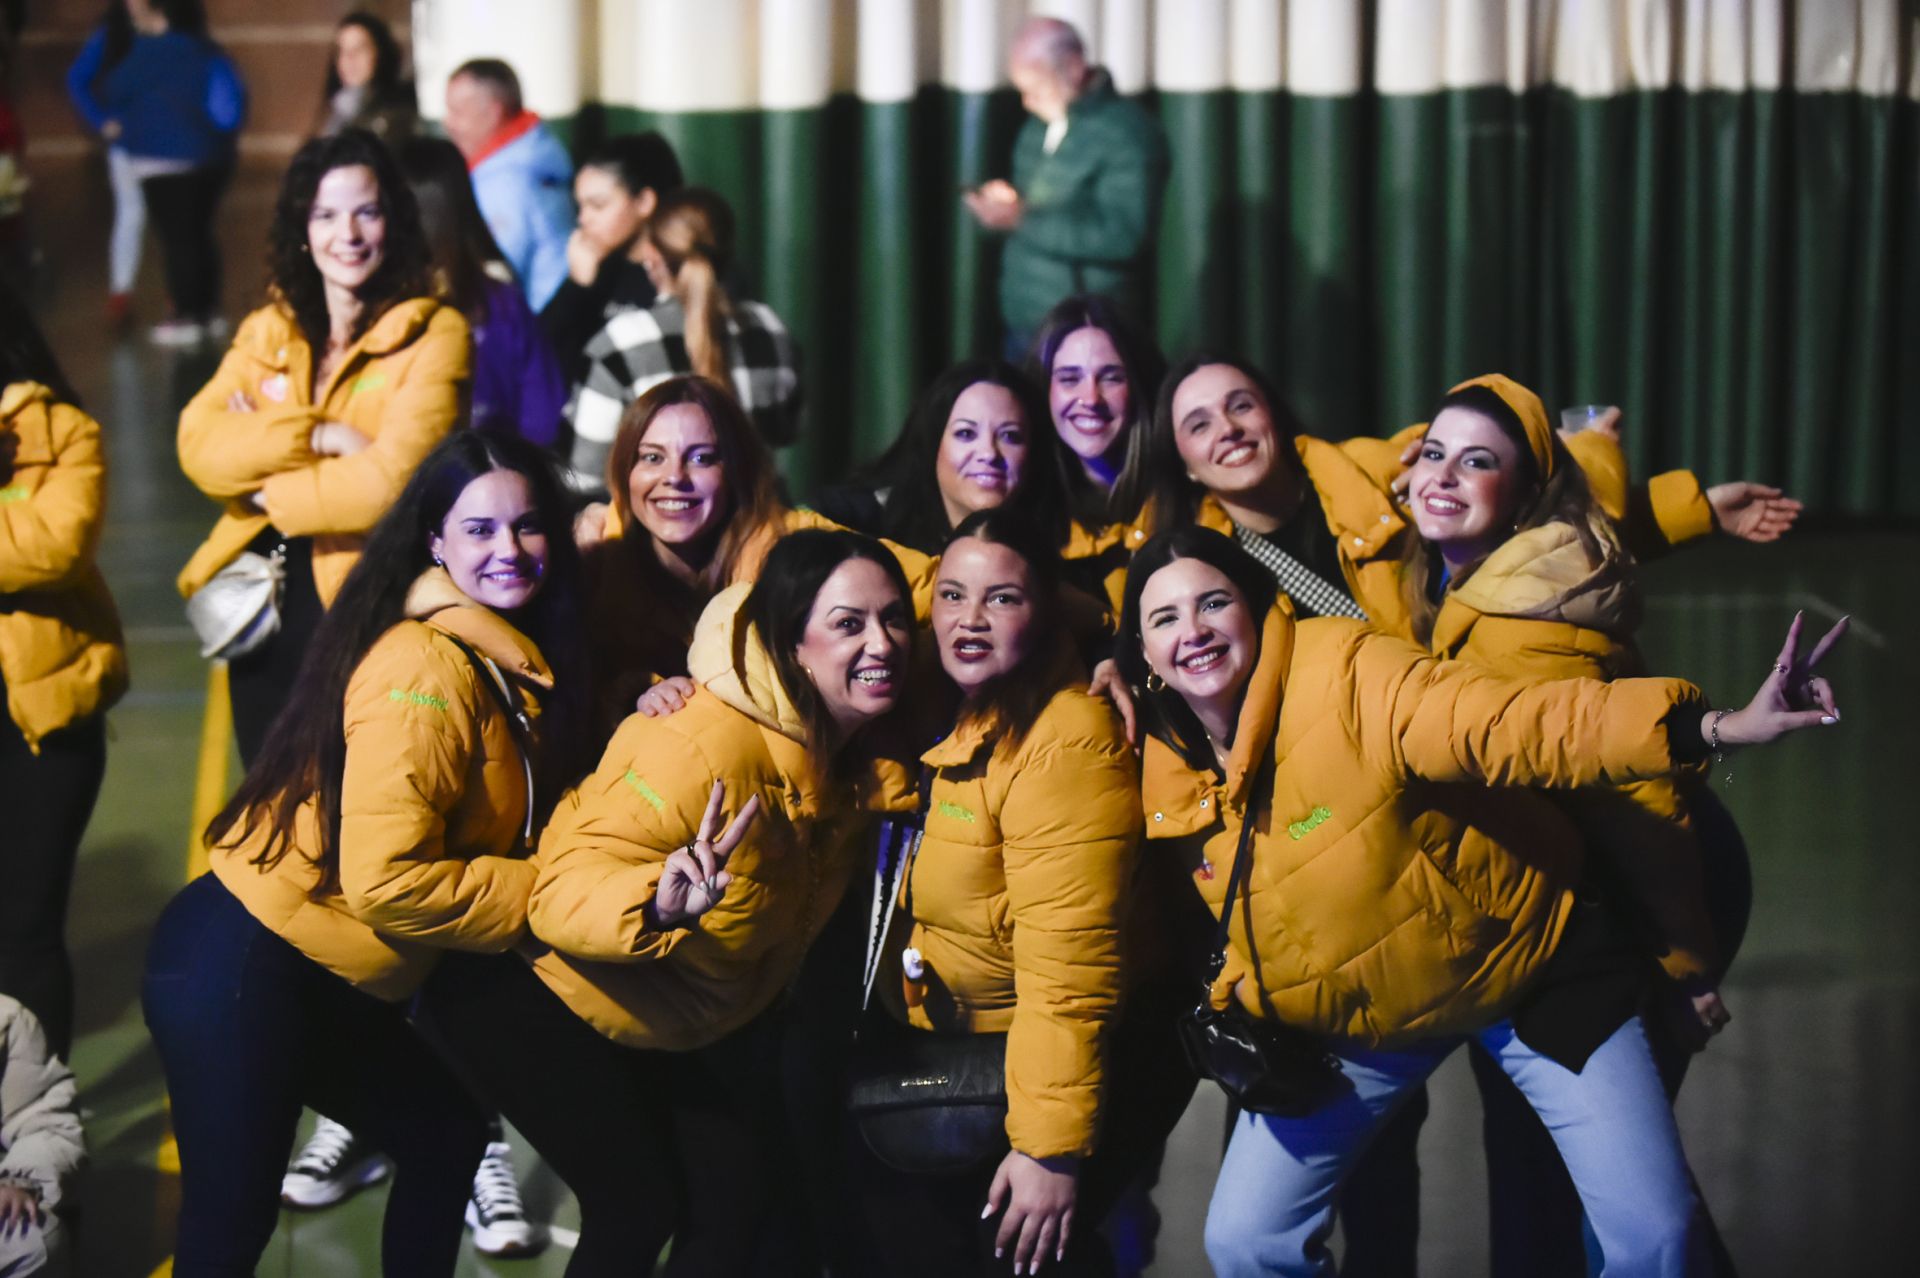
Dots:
(1154, 682)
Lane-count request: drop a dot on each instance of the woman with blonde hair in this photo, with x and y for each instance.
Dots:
(695, 326)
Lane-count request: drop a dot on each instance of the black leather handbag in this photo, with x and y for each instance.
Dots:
(923, 1103)
(1263, 1065)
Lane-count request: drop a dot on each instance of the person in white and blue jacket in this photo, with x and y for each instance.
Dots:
(522, 176)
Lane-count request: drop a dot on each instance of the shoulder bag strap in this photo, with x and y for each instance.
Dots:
(1236, 879)
(899, 842)
(518, 725)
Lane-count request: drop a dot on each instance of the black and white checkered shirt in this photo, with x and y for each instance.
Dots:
(637, 350)
(1312, 594)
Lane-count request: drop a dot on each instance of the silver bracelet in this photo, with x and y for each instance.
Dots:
(1713, 742)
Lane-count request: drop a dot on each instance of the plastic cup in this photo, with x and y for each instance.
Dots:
(1578, 417)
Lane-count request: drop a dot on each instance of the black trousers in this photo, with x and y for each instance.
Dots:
(259, 683)
(181, 207)
(48, 799)
(654, 1145)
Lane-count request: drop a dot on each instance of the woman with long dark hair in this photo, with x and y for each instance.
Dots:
(62, 660)
(517, 383)
(385, 824)
(695, 326)
(1371, 921)
(1032, 821)
(975, 440)
(330, 395)
(367, 86)
(679, 886)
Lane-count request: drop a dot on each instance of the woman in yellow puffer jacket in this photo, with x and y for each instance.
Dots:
(384, 826)
(673, 929)
(62, 663)
(1365, 923)
(1521, 573)
(1011, 918)
(330, 396)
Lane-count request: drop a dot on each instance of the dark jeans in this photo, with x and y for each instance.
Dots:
(259, 683)
(48, 798)
(654, 1145)
(250, 1030)
(181, 208)
(930, 1224)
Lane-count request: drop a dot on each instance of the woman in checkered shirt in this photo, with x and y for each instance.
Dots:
(693, 327)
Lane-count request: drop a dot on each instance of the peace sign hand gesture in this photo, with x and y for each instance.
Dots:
(695, 877)
(1791, 697)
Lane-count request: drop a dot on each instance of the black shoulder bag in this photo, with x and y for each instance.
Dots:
(924, 1103)
(1263, 1065)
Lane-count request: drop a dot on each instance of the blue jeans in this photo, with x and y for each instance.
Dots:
(1272, 1209)
(249, 1030)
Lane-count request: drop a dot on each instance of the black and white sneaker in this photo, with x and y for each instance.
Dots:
(331, 1165)
(495, 1213)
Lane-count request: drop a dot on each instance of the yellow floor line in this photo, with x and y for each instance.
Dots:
(209, 795)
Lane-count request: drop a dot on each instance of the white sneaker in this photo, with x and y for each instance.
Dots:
(331, 1165)
(177, 333)
(495, 1214)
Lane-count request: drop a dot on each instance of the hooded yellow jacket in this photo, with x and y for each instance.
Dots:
(61, 654)
(403, 385)
(1544, 606)
(1017, 895)
(1375, 921)
(432, 807)
(601, 857)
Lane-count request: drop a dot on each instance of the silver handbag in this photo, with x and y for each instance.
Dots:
(239, 609)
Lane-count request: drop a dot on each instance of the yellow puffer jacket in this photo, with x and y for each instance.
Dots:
(601, 857)
(433, 805)
(1375, 921)
(1545, 606)
(61, 654)
(403, 385)
(1016, 898)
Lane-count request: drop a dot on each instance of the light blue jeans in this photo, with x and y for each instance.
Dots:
(1272, 1209)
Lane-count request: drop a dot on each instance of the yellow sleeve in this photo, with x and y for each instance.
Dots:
(1669, 510)
(48, 538)
(607, 844)
(1071, 824)
(349, 494)
(228, 454)
(412, 729)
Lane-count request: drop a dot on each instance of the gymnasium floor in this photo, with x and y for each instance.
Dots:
(1800, 1122)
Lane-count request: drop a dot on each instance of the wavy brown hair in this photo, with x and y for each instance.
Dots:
(693, 229)
(752, 488)
(406, 265)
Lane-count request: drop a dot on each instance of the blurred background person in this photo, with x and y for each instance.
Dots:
(100, 54)
(517, 384)
(695, 326)
(174, 102)
(367, 86)
(521, 173)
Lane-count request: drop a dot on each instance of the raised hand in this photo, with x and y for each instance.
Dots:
(1790, 698)
(1038, 1194)
(696, 877)
(1752, 512)
(590, 525)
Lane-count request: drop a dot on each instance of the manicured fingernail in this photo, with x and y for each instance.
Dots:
(986, 1212)
(1829, 718)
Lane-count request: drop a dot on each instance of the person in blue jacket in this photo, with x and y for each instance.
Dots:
(173, 102)
(522, 176)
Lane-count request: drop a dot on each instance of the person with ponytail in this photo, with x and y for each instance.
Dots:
(695, 326)
(385, 823)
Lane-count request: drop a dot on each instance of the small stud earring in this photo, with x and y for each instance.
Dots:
(439, 562)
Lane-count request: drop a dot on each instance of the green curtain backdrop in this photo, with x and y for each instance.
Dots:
(1715, 225)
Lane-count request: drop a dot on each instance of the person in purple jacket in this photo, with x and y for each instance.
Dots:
(518, 386)
(173, 102)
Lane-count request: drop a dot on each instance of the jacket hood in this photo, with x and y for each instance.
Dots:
(1532, 414)
(728, 659)
(1547, 574)
(18, 395)
(279, 341)
(435, 600)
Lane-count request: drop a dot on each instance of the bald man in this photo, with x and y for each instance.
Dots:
(1089, 169)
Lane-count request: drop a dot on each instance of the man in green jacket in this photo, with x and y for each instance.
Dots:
(1089, 169)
